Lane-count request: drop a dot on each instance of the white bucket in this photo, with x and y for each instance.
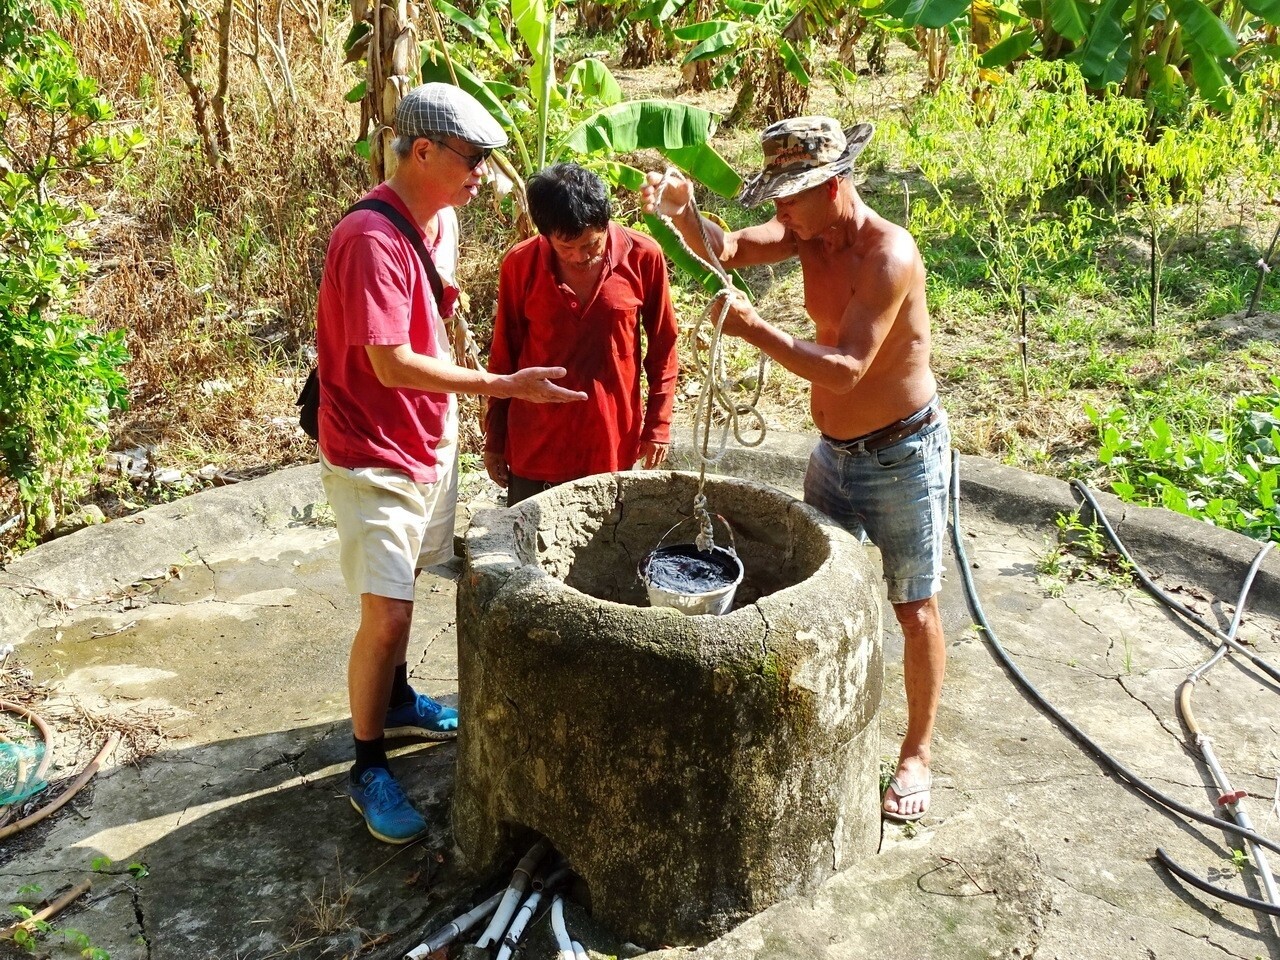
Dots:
(715, 601)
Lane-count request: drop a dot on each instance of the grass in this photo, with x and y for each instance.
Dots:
(214, 274)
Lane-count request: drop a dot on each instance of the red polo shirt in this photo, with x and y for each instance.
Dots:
(540, 323)
(375, 291)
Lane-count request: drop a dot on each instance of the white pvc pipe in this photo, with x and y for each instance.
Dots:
(580, 952)
(454, 929)
(511, 898)
(558, 928)
(516, 931)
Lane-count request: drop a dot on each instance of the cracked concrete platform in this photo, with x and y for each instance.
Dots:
(252, 851)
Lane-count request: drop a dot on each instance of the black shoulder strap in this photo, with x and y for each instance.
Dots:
(401, 223)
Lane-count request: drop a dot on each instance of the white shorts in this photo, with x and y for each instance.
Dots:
(389, 527)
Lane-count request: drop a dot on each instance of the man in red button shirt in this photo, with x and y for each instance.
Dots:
(577, 297)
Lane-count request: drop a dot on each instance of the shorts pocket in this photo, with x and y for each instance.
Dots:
(899, 453)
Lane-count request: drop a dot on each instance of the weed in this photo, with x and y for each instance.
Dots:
(105, 865)
(326, 913)
(28, 931)
(888, 766)
(1081, 553)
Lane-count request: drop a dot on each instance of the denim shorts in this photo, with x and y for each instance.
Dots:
(895, 497)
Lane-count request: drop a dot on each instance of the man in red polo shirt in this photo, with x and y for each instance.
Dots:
(388, 421)
(577, 297)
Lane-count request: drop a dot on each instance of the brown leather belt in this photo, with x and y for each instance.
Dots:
(895, 432)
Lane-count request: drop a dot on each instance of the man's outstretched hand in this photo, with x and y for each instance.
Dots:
(534, 384)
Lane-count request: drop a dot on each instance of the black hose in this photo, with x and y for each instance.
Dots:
(1188, 877)
(1148, 792)
(1168, 601)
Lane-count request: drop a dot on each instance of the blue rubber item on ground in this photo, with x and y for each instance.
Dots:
(18, 763)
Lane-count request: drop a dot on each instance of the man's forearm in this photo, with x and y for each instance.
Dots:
(419, 372)
(827, 367)
(687, 224)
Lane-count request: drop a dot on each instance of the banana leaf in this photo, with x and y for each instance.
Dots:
(1068, 19)
(1208, 42)
(359, 31)
(1268, 10)
(729, 72)
(1009, 49)
(697, 32)
(714, 45)
(659, 10)
(707, 167)
(594, 80)
(1104, 57)
(535, 22)
(926, 13)
(669, 240)
(791, 60)
(655, 124)
(472, 28)
(1201, 29)
(619, 174)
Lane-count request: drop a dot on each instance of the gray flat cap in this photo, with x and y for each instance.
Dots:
(444, 108)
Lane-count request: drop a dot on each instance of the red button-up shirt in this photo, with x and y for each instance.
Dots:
(541, 323)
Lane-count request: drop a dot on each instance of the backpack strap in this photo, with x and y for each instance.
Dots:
(411, 233)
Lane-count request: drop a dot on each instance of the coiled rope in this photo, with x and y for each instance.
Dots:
(710, 366)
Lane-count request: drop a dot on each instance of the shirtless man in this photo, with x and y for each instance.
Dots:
(882, 467)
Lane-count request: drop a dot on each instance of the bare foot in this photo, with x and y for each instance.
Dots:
(908, 795)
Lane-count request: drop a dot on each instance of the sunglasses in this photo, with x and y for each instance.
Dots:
(473, 160)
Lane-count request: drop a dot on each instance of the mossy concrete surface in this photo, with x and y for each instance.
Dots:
(253, 851)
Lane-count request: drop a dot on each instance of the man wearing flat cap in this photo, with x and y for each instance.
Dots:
(882, 466)
(388, 418)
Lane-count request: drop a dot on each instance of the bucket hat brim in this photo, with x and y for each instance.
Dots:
(784, 183)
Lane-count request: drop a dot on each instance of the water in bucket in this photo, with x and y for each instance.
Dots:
(690, 580)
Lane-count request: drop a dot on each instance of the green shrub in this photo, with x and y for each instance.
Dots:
(58, 375)
(1224, 469)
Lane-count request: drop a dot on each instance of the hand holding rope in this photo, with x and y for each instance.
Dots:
(717, 386)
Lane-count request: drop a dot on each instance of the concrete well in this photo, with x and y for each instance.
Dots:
(694, 770)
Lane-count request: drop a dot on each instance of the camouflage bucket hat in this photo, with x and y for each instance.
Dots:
(801, 153)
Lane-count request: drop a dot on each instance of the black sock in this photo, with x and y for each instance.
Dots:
(369, 754)
(401, 692)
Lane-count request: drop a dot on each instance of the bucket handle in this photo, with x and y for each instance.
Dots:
(733, 543)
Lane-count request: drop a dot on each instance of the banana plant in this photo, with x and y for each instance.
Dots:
(762, 45)
(580, 116)
(1144, 48)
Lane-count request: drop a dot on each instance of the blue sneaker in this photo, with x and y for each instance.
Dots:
(386, 810)
(422, 717)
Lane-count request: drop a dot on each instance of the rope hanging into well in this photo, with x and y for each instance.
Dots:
(717, 386)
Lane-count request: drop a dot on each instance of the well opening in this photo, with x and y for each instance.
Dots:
(593, 537)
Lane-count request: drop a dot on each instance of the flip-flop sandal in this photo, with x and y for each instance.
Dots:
(904, 792)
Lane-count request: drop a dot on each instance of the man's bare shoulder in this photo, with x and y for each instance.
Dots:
(886, 249)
